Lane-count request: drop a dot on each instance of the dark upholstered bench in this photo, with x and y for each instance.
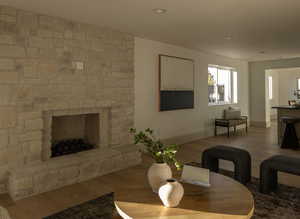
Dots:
(270, 167)
(240, 158)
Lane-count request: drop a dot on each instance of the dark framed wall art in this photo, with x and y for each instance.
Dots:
(176, 83)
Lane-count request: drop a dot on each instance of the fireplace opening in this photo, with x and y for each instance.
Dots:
(74, 133)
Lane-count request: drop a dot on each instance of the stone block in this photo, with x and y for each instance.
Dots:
(7, 39)
(8, 10)
(31, 136)
(8, 28)
(58, 35)
(19, 194)
(12, 51)
(34, 124)
(30, 115)
(38, 42)
(30, 72)
(9, 77)
(54, 24)
(68, 34)
(32, 52)
(29, 67)
(7, 64)
(79, 35)
(3, 138)
(24, 183)
(3, 157)
(13, 136)
(48, 53)
(69, 173)
(46, 181)
(34, 152)
(45, 33)
(8, 94)
(8, 18)
(27, 20)
(88, 171)
(8, 117)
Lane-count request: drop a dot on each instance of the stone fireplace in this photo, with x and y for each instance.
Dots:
(67, 89)
(73, 131)
(94, 125)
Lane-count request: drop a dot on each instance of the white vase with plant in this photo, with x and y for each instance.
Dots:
(164, 155)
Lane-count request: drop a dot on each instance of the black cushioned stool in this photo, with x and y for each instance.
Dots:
(270, 167)
(290, 139)
(240, 158)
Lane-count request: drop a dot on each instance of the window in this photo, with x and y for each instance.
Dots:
(222, 85)
(270, 79)
(298, 83)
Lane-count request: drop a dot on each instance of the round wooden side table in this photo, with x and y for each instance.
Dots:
(225, 198)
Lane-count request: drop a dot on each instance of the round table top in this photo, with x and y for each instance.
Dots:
(225, 198)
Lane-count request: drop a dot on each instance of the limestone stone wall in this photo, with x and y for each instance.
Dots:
(49, 63)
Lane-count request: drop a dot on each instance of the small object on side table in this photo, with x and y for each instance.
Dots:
(171, 193)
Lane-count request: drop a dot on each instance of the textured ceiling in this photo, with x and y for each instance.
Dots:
(272, 26)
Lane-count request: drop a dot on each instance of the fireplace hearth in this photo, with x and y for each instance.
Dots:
(70, 146)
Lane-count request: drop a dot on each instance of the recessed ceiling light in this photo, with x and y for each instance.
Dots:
(160, 10)
(228, 38)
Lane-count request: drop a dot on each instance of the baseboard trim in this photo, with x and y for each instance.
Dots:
(260, 124)
(185, 138)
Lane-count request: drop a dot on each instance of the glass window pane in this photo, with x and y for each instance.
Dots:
(270, 87)
(224, 85)
(235, 87)
(298, 82)
(212, 84)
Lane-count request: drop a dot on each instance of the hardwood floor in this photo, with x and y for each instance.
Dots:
(260, 142)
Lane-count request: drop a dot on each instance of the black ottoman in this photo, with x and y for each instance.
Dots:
(240, 158)
(270, 167)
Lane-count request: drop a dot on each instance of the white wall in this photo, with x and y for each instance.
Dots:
(257, 76)
(288, 84)
(197, 121)
(275, 89)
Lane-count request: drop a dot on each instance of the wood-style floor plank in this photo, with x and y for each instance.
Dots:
(260, 142)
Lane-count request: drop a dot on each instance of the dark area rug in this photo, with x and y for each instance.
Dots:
(100, 208)
(282, 204)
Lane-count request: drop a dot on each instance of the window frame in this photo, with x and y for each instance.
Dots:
(270, 85)
(234, 99)
(298, 83)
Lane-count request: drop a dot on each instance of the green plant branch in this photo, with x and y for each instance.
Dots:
(156, 149)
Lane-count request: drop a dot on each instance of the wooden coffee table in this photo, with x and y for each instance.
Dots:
(225, 198)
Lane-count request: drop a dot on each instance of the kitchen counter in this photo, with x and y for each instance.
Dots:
(287, 107)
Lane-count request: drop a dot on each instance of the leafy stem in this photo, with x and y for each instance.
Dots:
(160, 152)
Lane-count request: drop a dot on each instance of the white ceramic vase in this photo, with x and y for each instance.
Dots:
(158, 173)
(171, 193)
